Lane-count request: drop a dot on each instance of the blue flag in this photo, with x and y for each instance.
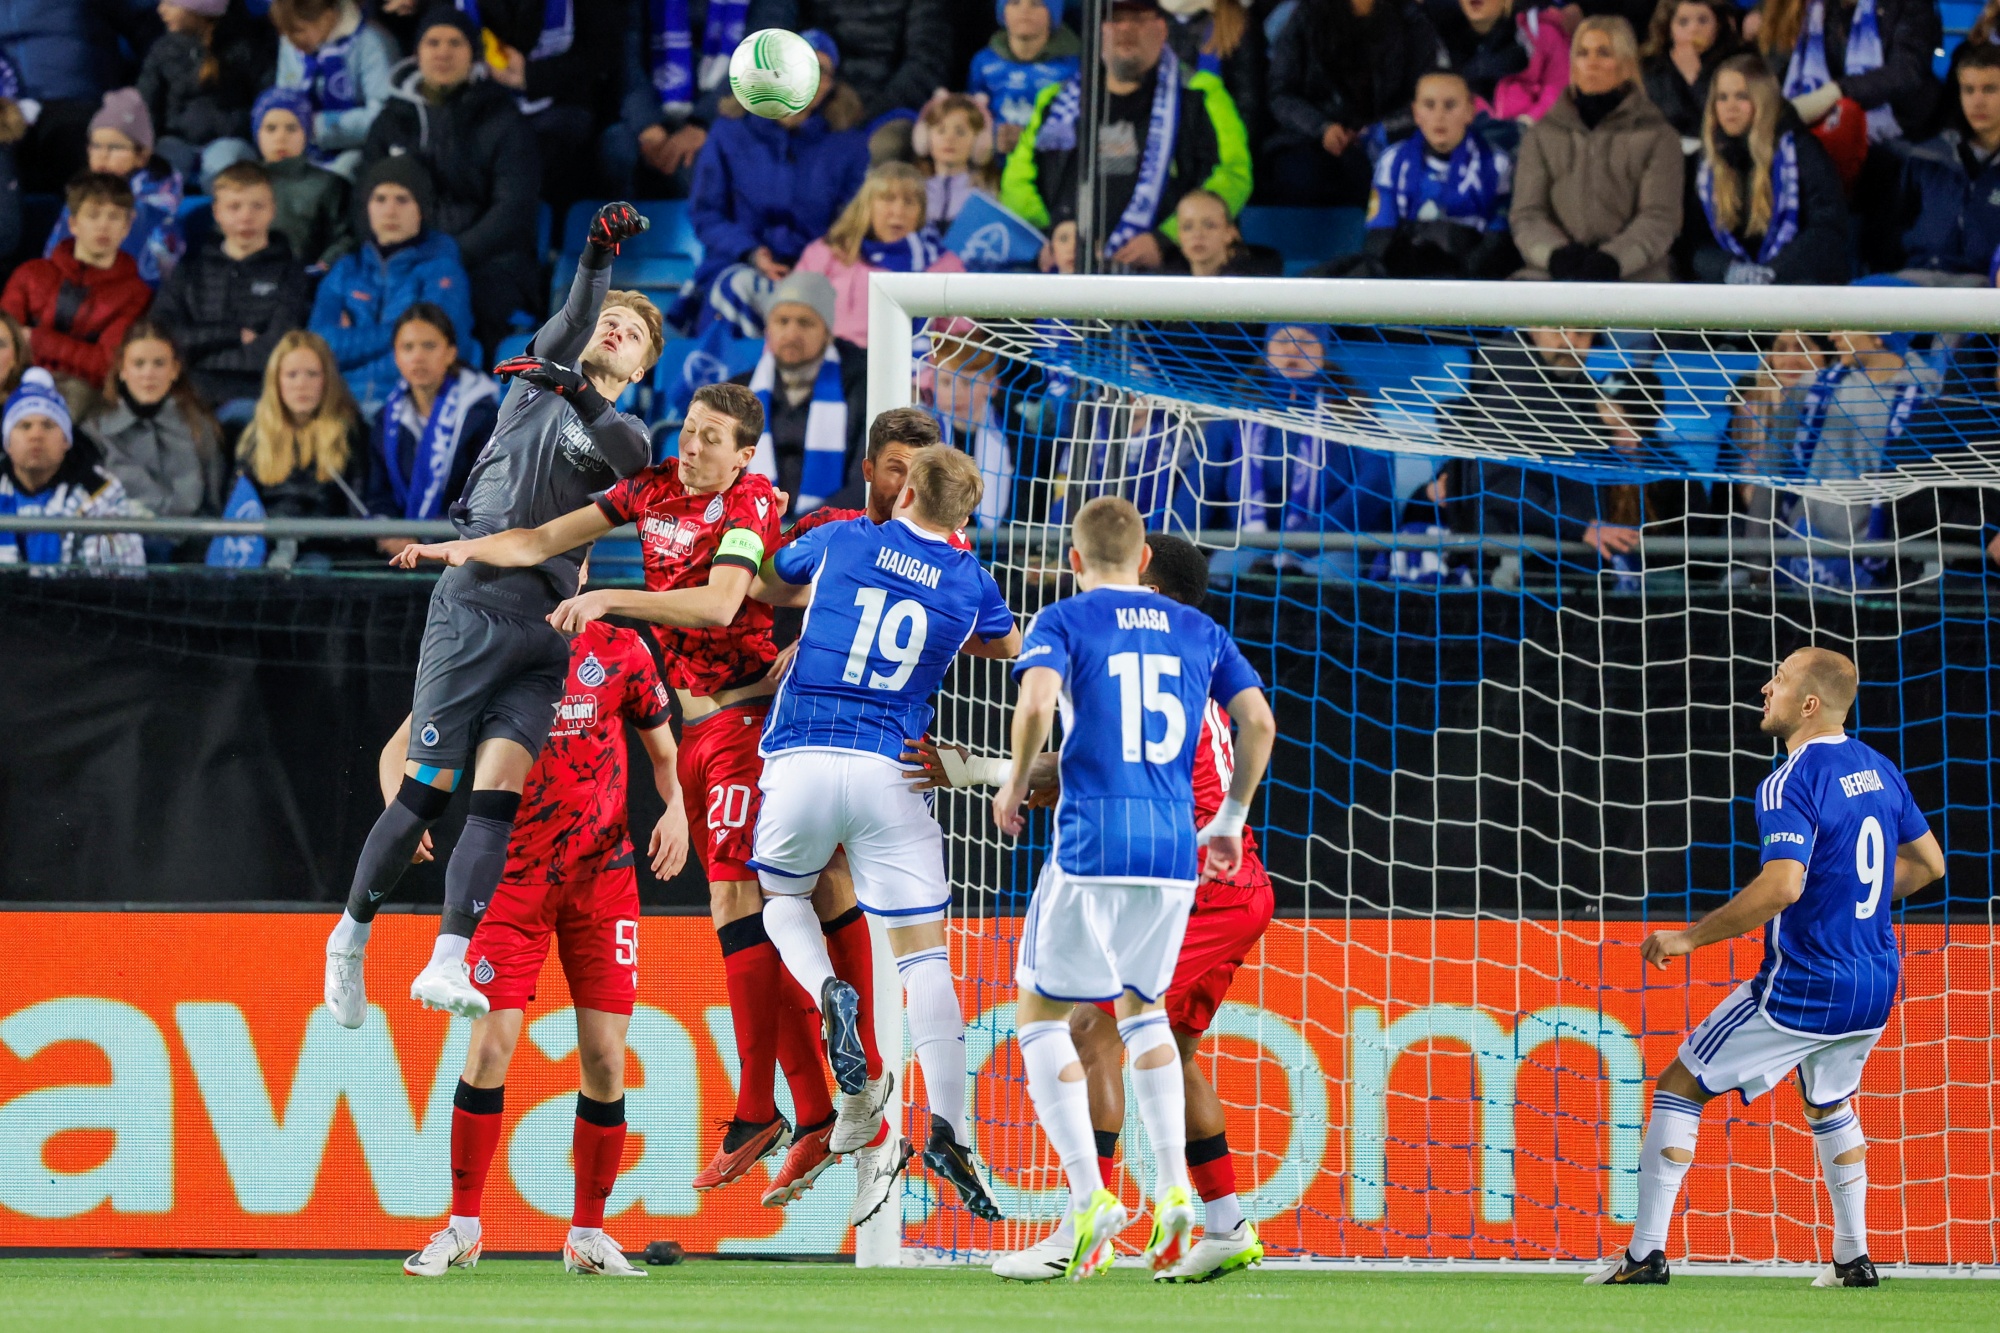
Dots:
(239, 552)
(988, 237)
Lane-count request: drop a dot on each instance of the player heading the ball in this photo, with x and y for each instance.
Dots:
(1841, 839)
(1132, 672)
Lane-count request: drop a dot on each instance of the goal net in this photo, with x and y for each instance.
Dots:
(1514, 561)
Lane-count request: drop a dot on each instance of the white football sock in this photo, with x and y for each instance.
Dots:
(467, 1227)
(1840, 1133)
(1062, 1106)
(449, 949)
(937, 1030)
(583, 1233)
(794, 928)
(349, 933)
(1675, 1123)
(1221, 1215)
(1161, 1094)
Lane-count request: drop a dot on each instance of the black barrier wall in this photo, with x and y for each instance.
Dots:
(201, 737)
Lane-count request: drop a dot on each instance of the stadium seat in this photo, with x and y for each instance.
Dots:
(678, 375)
(660, 259)
(1304, 236)
(545, 224)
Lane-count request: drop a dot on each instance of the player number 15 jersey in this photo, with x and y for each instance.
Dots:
(1138, 670)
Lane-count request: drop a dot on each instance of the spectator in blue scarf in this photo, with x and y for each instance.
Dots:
(1772, 208)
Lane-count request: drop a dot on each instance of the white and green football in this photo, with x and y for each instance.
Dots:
(774, 73)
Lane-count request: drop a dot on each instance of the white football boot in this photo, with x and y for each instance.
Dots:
(448, 986)
(1044, 1261)
(875, 1171)
(599, 1256)
(860, 1115)
(446, 1250)
(1217, 1254)
(347, 986)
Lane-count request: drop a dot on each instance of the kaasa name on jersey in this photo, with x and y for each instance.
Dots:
(1866, 780)
(1143, 617)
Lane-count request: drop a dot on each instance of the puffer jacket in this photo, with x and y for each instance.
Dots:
(170, 81)
(211, 299)
(76, 336)
(1307, 95)
(481, 157)
(1951, 207)
(372, 63)
(313, 210)
(54, 48)
(758, 183)
(1617, 187)
(362, 295)
(169, 463)
(895, 53)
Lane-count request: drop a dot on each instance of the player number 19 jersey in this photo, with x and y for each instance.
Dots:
(1830, 962)
(891, 607)
(1138, 670)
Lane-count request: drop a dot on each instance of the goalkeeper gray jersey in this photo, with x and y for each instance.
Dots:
(544, 461)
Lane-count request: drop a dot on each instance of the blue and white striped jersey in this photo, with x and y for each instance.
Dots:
(1137, 669)
(1830, 962)
(891, 607)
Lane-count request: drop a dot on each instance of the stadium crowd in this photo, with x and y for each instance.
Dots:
(263, 251)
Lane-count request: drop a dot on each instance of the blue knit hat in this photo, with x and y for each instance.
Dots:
(37, 397)
(1055, 8)
(283, 99)
(820, 40)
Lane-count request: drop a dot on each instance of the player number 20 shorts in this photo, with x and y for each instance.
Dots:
(1737, 1049)
(719, 770)
(1093, 940)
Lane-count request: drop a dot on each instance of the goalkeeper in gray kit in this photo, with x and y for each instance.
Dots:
(492, 668)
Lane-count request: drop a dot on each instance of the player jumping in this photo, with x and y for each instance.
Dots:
(1129, 669)
(569, 877)
(1229, 917)
(1841, 838)
(705, 523)
(491, 669)
(893, 606)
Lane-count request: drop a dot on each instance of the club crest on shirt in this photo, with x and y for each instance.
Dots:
(713, 512)
(591, 673)
(429, 735)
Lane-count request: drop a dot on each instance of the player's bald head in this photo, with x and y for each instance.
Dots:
(1829, 676)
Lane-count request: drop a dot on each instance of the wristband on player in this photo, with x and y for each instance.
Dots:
(972, 770)
(1228, 822)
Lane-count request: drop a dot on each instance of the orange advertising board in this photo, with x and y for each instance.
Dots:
(1415, 1088)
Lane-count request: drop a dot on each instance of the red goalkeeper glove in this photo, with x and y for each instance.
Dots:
(557, 379)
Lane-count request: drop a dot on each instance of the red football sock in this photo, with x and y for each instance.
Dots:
(475, 1133)
(799, 1056)
(1216, 1177)
(853, 955)
(597, 1143)
(755, 976)
(1105, 1166)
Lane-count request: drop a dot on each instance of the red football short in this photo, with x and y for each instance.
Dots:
(1220, 935)
(719, 771)
(595, 924)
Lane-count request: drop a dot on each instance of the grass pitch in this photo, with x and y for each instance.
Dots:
(204, 1294)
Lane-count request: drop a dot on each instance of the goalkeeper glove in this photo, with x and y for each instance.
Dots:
(559, 380)
(615, 222)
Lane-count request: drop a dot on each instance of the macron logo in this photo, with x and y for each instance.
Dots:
(1143, 617)
(908, 566)
(1866, 780)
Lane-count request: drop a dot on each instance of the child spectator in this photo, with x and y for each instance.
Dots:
(1210, 244)
(1527, 95)
(1772, 208)
(1516, 65)
(229, 302)
(403, 263)
(121, 144)
(48, 472)
(881, 229)
(954, 146)
(156, 437)
(313, 212)
(763, 189)
(1599, 183)
(77, 303)
(13, 353)
(302, 451)
(1439, 207)
(342, 64)
(197, 91)
(1032, 51)
(1687, 40)
(436, 421)
(1950, 214)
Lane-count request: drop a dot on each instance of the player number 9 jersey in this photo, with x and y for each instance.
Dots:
(1138, 670)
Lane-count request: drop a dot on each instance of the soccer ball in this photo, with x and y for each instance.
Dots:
(774, 73)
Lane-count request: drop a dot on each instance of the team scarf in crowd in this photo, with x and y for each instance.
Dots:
(1784, 224)
(1058, 134)
(329, 76)
(1819, 400)
(421, 494)
(1808, 68)
(240, 552)
(825, 468)
(670, 42)
(1469, 193)
(913, 254)
(34, 548)
(558, 26)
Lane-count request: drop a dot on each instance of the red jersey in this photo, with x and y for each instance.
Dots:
(1214, 769)
(826, 514)
(683, 536)
(572, 823)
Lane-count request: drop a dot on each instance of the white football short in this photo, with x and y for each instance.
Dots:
(1094, 940)
(817, 800)
(1737, 1049)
